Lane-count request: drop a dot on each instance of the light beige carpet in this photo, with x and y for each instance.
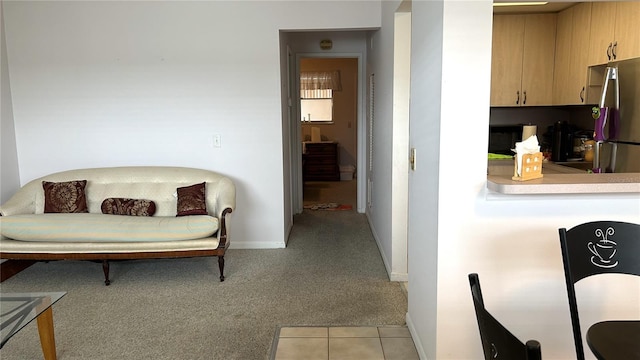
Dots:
(330, 274)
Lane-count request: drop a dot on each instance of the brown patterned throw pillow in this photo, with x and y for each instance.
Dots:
(124, 206)
(191, 200)
(65, 197)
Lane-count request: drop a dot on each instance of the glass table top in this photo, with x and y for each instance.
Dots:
(19, 309)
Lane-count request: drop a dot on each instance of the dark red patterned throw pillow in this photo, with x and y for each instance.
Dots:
(191, 200)
(125, 206)
(65, 197)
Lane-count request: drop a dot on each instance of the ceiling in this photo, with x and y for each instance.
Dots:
(552, 6)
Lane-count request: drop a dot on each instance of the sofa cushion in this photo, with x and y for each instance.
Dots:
(65, 197)
(191, 200)
(126, 206)
(106, 228)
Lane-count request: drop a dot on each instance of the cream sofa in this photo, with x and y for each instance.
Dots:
(30, 234)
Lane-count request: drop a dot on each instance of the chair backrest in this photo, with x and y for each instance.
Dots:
(497, 341)
(593, 248)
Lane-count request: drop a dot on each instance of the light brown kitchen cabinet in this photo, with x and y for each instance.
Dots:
(506, 59)
(627, 30)
(572, 55)
(523, 59)
(562, 66)
(615, 31)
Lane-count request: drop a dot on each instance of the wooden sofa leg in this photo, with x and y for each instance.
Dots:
(221, 266)
(105, 269)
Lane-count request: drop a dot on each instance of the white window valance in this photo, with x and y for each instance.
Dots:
(320, 80)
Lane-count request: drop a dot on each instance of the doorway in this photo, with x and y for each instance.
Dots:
(329, 138)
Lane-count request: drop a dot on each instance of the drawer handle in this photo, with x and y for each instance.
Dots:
(614, 50)
(609, 51)
(517, 97)
(524, 101)
(582, 95)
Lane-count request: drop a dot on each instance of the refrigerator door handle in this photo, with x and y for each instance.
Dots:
(604, 113)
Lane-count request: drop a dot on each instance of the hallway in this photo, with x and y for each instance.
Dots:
(321, 342)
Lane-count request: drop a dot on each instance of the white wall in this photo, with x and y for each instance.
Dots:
(424, 182)
(9, 175)
(511, 241)
(388, 178)
(289, 185)
(149, 83)
(400, 156)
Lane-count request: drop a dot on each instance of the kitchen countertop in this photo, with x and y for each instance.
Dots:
(559, 179)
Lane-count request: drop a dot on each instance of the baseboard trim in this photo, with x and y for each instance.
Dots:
(416, 340)
(12, 267)
(386, 263)
(255, 245)
(400, 277)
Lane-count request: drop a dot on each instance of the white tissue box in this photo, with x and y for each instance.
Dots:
(531, 167)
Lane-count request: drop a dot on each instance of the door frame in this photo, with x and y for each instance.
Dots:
(296, 131)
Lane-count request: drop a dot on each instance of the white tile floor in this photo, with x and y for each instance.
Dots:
(344, 343)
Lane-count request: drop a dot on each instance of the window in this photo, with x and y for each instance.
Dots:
(316, 105)
(316, 95)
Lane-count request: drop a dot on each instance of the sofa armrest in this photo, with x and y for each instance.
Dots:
(225, 197)
(223, 231)
(23, 201)
(224, 204)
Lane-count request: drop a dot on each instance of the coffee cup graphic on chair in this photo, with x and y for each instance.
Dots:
(603, 250)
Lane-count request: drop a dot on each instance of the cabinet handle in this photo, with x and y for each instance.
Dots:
(609, 51)
(613, 50)
(582, 95)
(524, 100)
(517, 97)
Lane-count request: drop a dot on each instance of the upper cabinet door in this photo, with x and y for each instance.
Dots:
(615, 31)
(562, 69)
(572, 55)
(579, 53)
(506, 60)
(603, 17)
(627, 30)
(538, 59)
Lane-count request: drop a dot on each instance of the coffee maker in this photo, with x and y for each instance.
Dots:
(562, 142)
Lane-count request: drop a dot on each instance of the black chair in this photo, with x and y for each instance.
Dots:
(594, 248)
(497, 341)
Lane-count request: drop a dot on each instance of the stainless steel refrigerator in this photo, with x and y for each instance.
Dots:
(617, 119)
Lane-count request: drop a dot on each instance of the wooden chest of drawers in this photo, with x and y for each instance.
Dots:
(320, 162)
